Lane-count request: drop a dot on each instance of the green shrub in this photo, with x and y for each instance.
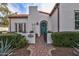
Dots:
(65, 39)
(22, 42)
(18, 40)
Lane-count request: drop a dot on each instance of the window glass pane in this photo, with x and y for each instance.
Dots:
(77, 25)
(20, 27)
(76, 20)
(77, 16)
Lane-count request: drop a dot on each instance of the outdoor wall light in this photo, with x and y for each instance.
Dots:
(37, 23)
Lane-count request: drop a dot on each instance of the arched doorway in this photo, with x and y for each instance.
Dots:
(43, 29)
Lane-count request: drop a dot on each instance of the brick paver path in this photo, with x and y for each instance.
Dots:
(40, 48)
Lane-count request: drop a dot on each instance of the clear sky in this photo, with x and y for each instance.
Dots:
(23, 7)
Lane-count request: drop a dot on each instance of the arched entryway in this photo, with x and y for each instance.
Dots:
(43, 29)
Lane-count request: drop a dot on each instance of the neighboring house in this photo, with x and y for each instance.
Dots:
(1, 26)
(63, 17)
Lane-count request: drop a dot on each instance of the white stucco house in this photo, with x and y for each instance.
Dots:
(63, 17)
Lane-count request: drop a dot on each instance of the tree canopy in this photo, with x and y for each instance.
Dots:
(5, 12)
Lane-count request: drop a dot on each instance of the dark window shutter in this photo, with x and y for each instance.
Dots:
(15, 27)
(24, 27)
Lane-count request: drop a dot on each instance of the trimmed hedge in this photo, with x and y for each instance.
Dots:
(18, 41)
(65, 39)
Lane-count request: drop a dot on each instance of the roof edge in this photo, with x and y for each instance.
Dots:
(50, 14)
(56, 5)
(44, 12)
(19, 16)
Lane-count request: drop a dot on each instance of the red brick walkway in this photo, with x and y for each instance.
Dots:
(40, 48)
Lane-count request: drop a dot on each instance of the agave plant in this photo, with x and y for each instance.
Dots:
(5, 47)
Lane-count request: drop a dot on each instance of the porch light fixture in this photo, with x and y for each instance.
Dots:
(37, 23)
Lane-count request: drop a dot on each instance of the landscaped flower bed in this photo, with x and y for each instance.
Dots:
(11, 40)
(62, 51)
(21, 52)
(63, 42)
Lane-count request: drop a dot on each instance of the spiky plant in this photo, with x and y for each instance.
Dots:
(5, 47)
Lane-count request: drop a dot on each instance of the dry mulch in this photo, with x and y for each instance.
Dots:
(62, 51)
(21, 52)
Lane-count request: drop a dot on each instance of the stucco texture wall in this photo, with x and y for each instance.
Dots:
(18, 20)
(67, 16)
(54, 21)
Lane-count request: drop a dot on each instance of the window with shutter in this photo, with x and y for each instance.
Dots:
(76, 19)
(24, 27)
(15, 27)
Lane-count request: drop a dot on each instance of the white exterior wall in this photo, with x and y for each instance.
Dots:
(67, 16)
(46, 18)
(18, 20)
(30, 39)
(35, 16)
(28, 28)
(54, 21)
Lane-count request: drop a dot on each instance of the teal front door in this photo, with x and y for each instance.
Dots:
(43, 29)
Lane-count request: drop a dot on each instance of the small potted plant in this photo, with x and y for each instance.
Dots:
(49, 32)
(31, 35)
(31, 31)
